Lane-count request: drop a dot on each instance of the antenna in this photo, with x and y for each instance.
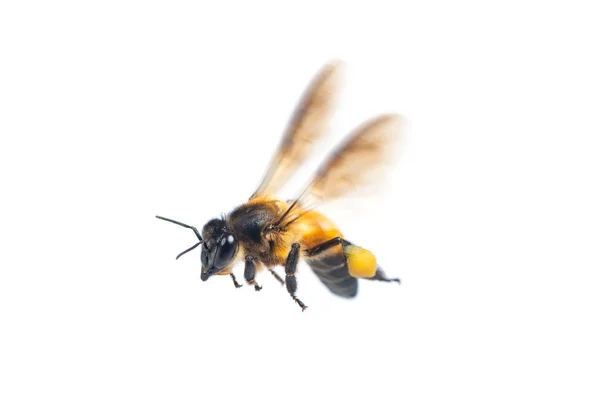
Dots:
(185, 226)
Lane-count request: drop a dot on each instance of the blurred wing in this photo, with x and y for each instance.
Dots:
(308, 124)
(358, 162)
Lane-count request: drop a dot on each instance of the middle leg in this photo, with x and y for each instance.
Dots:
(290, 271)
(276, 276)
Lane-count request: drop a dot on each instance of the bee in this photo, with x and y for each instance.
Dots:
(266, 232)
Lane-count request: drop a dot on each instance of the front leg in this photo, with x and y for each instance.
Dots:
(250, 272)
(235, 282)
(290, 271)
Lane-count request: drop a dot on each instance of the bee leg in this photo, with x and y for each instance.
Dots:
(361, 263)
(250, 272)
(235, 282)
(276, 276)
(381, 276)
(326, 246)
(290, 270)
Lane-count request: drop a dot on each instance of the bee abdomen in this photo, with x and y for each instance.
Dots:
(332, 270)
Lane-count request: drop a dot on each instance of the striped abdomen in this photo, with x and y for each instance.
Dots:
(332, 270)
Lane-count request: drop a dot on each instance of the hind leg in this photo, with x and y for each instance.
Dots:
(381, 276)
(361, 262)
(327, 245)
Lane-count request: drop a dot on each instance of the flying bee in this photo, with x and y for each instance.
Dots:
(266, 232)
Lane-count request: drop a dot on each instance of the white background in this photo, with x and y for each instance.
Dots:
(112, 112)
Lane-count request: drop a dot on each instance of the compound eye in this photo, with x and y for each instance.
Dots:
(204, 257)
(226, 251)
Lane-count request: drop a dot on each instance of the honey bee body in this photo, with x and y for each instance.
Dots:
(266, 232)
(255, 223)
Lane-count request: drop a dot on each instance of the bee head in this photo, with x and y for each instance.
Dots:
(219, 248)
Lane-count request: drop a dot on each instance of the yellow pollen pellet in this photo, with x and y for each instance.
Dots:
(361, 262)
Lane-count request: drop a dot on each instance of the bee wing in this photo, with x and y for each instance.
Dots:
(358, 162)
(308, 124)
